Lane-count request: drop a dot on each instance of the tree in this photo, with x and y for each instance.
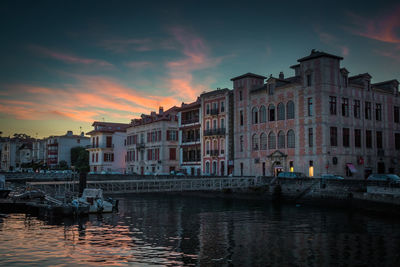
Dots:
(63, 165)
(80, 159)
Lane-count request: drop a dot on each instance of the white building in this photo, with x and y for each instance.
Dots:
(107, 151)
(58, 148)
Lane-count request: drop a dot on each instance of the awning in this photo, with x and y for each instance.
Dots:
(351, 167)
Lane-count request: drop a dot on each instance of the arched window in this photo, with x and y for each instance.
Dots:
(207, 167)
(263, 141)
(271, 111)
(222, 146)
(290, 110)
(214, 168)
(281, 139)
(207, 147)
(254, 142)
(271, 141)
(290, 139)
(281, 111)
(263, 114)
(254, 113)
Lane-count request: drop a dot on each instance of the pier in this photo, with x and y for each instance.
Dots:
(152, 185)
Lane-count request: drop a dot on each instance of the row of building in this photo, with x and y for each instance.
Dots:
(320, 120)
(20, 152)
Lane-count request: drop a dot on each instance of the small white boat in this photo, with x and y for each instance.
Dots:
(94, 198)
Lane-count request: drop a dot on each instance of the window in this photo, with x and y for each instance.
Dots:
(290, 139)
(357, 137)
(97, 157)
(346, 137)
(310, 137)
(255, 142)
(309, 82)
(290, 110)
(397, 141)
(378, 112)
(368, 139)
(208, 148)
(172, 135)
(222, 106)
(345, 107)
(241, 118)
(332, 105)
(333, 136)
(222, 125)
(172, 153)
(357, 109)
(281, 111)
(207, 167)
(270, 89)
(396, 114)
(379, 142)
(207, 125)
(367, 110)
(263, 141)
(241, 143)
(214, 124)
(281, 139)
(271, 111)
(263, 114)
(108, 141)
(108, 157)
(93, 157)
(208, 109)
(271, 141)
(254, 114)
(310, 106)
(240, 96)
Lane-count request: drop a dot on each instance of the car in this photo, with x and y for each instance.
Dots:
(384, 177)
(291, 175)
(180, 174)
(148, 173)
(331, 176)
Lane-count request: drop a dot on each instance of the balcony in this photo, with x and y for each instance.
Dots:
(214, 153)
(191, 159)
(140, 145)
(218, 131)
(189, 121)
(214, 111)
(189, 140)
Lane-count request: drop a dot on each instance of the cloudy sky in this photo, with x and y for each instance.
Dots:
(64, 64)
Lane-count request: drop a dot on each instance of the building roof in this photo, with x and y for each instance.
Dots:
(316, 54)
(193, 105)
(362, 75)
(249, 74)
(154, 117)
(215, 92)
(108, 127)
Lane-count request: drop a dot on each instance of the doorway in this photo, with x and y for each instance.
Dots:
(381, 167)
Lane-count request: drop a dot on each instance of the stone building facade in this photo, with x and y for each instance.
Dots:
(318, 121)
(189, 120)
(152, 143)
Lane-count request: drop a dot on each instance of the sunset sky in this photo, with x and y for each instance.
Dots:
(64, 64)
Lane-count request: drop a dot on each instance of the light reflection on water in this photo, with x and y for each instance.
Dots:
(154, 230)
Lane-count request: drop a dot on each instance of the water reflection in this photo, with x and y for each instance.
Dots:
(153, 230)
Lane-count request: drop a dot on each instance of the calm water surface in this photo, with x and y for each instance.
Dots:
(160, 230)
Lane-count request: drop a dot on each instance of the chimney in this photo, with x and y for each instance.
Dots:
(69, 133)
(281, 76)
(161, 110)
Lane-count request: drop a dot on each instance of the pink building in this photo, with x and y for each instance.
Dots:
(317, 121)
(107, 151)
(217, 127)
(152, 143)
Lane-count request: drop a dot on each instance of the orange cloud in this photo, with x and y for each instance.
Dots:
(68, 58)
(197, 57)
(383, 28)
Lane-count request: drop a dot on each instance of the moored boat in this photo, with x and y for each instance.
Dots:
(94, 198)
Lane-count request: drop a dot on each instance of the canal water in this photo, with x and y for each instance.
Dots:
(164, 230)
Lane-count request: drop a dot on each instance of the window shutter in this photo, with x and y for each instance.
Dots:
(148, 138)
(167, 135)
(177, 136)
(112, 157)
(159, 135)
